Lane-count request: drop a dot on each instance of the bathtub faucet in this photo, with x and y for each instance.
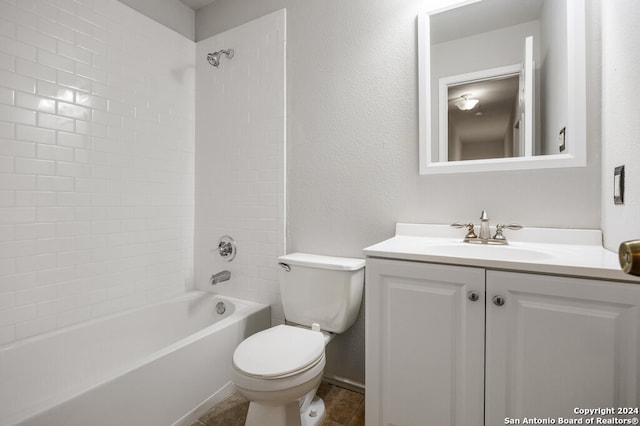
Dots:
(220, 277)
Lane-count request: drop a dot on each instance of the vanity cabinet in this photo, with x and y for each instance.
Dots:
(467, 346)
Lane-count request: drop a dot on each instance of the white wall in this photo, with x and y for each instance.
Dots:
(96, 162)
(352, 132)
(620, 125)
(240, 146)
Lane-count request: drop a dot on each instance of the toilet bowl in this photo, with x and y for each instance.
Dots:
(279, 369)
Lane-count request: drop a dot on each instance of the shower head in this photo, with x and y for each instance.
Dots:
(214, 58)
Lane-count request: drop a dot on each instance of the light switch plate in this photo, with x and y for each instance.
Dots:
(618, 185)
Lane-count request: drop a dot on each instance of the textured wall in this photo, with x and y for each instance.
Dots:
(620, 125)
(96, 162)
(240, 145)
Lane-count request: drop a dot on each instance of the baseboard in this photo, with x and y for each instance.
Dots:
(344, 383)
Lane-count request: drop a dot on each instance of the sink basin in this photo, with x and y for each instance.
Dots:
(491, 252)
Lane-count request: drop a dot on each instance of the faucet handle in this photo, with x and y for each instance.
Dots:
(499, 236)
(470, 229)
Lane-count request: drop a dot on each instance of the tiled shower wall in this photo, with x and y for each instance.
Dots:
(96, 162)
(240, 167)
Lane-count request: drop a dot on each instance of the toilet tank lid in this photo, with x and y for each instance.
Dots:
(323, 262)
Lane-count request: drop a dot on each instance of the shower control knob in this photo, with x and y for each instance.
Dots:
(498, 300)
(473, 296)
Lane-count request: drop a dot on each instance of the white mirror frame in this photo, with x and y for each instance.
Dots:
(576, 137)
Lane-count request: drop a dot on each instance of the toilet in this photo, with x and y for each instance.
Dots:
(279, 369)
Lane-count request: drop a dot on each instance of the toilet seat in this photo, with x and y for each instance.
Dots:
(279, 352)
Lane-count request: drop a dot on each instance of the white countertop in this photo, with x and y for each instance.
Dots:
(572, 252)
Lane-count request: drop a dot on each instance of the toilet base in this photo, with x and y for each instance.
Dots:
(289, 414)
(313, 415)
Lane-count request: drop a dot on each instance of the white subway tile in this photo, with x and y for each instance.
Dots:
(17, 48)
(70, 229)
(54, 91)
(54, 245)
(18, 15)
(56, 276)
(36, 326)
(74, 111)
(82, 156)
(54, 214)
(55, 183)
(14, 249)
(73, 169)
(38, 103)
(7, 334)
(35, 134)
(75, 257)
(17, 148)
(74, 316)
(25, 280)
(36, 263)
(7, 279)
(91, 44)
(74, 22)
(35, 70)
(6, 164)
(66, 5)
(7, 62)
(72, 140)
(17, 115)
(35, 38)
(7, 96)
(7, 232)
(56, 30)
(73, 81)
(16, 182)
(91, 101)
(57, 153)
(32, 231)
(40, 8)
(56, 61)
(31, 166)
(73, 199)
(51, 121)
(17, 314)
(7, 130)
(57, 305)
(35, 199)
(15, 81)
(7, 28)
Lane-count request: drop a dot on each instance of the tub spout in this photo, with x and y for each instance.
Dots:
(220, 277)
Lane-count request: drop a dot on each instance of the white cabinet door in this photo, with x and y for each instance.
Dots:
(559, 343)
(424, 344)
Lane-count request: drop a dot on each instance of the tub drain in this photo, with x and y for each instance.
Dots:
(220, 308)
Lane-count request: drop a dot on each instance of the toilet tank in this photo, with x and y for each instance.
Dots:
(321, 289)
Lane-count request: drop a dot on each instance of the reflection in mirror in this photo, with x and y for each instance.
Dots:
(514, 58)
(480, 116)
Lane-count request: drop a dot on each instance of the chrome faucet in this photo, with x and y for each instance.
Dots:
(220, 277)
(484, 236)
(485, 232)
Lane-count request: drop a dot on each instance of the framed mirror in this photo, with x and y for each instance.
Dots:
(502, 86)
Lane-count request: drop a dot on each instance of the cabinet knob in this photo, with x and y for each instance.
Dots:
(498, 300)
(473, 296)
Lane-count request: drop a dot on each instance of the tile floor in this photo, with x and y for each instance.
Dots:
(343, 408)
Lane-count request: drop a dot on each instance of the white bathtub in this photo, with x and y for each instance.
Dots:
(158, 365)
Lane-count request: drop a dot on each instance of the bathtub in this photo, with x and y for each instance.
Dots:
(162, 364)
